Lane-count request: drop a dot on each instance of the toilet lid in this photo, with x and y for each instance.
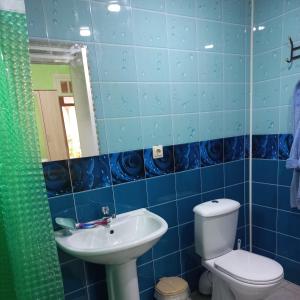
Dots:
(249, 267)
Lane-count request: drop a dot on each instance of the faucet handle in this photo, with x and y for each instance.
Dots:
(105, 211)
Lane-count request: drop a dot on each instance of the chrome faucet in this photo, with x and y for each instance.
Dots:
(107, 218)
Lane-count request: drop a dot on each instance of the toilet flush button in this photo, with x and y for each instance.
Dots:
(215, 201)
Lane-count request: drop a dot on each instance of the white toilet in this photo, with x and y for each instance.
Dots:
(236, 274)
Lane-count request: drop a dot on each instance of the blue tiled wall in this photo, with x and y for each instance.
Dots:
(274, 222)
(154, 82)
(155, 77)
(189, 174)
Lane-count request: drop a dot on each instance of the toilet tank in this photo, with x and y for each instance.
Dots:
(215, 227)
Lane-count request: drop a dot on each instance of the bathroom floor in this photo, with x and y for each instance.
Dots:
(286, 291)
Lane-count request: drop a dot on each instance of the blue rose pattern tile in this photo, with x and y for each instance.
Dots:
(285, 145)
(265, 146)
(211, 152)
(247, 146)
(160, 166)
(234, 148)
(90, 173)
(57, 178)
(127, 166)
(187, 156)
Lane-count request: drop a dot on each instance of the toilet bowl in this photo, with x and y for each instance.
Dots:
(236, 274)
(243, 275)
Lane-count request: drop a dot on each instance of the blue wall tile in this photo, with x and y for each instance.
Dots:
(187, 156)
(186, 234)
(234, 148)
(57, 178)
(168, 212)
(90, 173)
(265, 146)
(185, 208)
(130, 196)
(158, 5)
(127, 166)
(236, 192)
(264, 217)
(234, 172)
(167, 266)
(145, 276)
(161, 189)
(149, 28)
(288, 247)
(212, 178)
(264, 194)
(159, 166)
(288, 223)
(211, 152)
(169, 243)
(291, 269)
(265, 171)
(264, 239)
(88, 204)
(207, 9)
(181, 7)
(110, 27)
(188, 183)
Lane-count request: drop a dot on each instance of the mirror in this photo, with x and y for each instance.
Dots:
(64, 107)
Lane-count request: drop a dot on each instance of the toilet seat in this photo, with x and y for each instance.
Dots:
(249, 267)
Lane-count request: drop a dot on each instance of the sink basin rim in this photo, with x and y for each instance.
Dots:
(113, 249)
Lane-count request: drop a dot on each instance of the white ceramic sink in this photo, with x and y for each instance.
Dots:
(118, 246)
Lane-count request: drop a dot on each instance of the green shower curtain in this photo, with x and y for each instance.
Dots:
(29, 267)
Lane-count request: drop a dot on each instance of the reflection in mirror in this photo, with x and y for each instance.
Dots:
(64, 106)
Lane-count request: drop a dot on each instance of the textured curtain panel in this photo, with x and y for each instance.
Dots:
(29, 266)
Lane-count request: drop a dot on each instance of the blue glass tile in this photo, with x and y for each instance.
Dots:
(73, 275)
(247, 146)
(88, 204)
(181, 7)
(161, 189)
(264, 194)
(94, 273)
(265, 146)
(187, 156)
(288, 247)
(127, 166)
(62, 207)
(288, 223)
(285, 145)
(284, 175)
(188, 183)
(212, 178)
(90, 173)
(147, 295)
(291, 269)
(284, 199)
(110, 27)
(168, 212)
(234, 172)
(167, 266)
(236, 192)
(185, 208)
(130, 196)
(264, 239)
(192, 278)
(167, 244)
(186, 234)
(159, 166)
(217, 194)
(158, 5)
(264, 217)
(149, 28)
(145, 276)
(211, 152)
(265, 171)
(78, 295)
(64, 19)
(57, 178)
(35, 18)
(264, 253)
(189, 259)
(234, 148)
(97, 289)
(208, 9)
(145, 258)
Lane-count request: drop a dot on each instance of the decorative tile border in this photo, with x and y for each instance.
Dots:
(83, 174)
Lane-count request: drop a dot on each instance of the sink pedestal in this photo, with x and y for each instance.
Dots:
(122, 281)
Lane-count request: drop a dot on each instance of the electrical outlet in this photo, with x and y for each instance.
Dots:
(158, 151)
